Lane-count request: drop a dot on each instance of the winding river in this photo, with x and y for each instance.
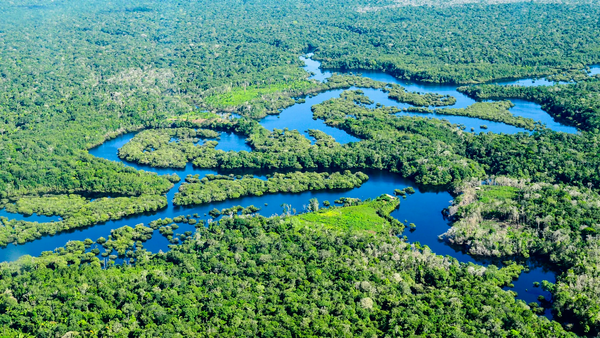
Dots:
(423, 208)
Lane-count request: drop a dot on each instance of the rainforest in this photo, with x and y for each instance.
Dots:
(396, 168)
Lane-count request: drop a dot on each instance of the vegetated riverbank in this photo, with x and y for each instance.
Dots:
(133, 65)
(206, 190)
(388, 90)
(295, 116)
(572, 103)
(344, 255)
(510, 217)
(521, 108)
(110, 150)
(423, 208)
(494, 111)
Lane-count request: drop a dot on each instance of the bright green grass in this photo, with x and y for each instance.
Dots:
(491, 192)
(355, 218)
(239, 95)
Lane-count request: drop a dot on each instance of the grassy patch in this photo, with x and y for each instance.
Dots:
(239, 95)
(494, 192)
(364, 217)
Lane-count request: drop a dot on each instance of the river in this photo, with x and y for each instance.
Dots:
(422, 208)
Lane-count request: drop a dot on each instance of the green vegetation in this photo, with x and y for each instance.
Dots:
(237, 96)
(394, 91)
(401, 95)
(404, 192)
(259, 102)
(171, 147)
(544, 156)
(371, 216)
(195, 116)
(123, 239)
(493, 111)
(515, 217)
(266, 276)
(75, 74)
(465, 42)
(575, 104)
(398, 144)
(523, 216)
(212, 189)
(131, 74)
(394, 143)
(76, 211)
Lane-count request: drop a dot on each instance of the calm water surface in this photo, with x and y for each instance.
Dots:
(522, 108)
(32, 218)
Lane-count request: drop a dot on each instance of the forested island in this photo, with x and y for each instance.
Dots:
(210, 106)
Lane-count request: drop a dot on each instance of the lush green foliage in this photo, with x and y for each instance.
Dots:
(253, 276)
(219, 189)
(259, 102)
(466, 44)
(237, 96)
(577, 104)
(394, 91)
(493, 111)
(510, 217)
(123, 239)
(75, 174)
(77, 212)
(132, 68)
(371, 216)
(393, 143)
(545, 156)
(171, 147)
(76, 73)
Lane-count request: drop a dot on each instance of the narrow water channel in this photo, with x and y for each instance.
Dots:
(522, 108)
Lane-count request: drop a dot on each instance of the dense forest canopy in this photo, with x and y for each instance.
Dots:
(256, 276)
(97, 68)
(75, 74)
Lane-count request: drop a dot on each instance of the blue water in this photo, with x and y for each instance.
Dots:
(469, 122)
(422, 208)
(522, 108)
(299, 116)
(525, 288)
(232, 142)
(594, 70)
(314, 67)
(529, 82)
